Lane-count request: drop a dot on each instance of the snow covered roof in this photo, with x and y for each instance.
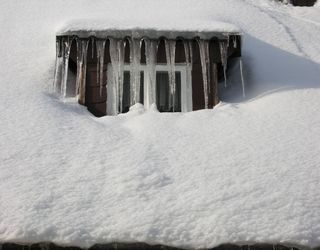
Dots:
(119, 29)
(242, 172)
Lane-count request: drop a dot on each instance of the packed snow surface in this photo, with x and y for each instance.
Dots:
(246, 171)
(114, 24)
(128, 28)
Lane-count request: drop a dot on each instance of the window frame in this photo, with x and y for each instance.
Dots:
(186, 91)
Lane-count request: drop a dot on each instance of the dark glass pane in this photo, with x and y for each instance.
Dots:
(126, 92)
(177, 96)
(141, 87)
(163, 94)
(162, 91)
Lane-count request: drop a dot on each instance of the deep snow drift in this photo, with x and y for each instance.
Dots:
(245, 171)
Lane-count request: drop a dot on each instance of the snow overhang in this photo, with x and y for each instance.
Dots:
(104, 29)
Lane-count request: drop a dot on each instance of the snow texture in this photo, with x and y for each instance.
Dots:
(120, 24)
(246, 171)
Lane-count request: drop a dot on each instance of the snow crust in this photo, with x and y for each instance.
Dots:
(141, 28)
(246, 171)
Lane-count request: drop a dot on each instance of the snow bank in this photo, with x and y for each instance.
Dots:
(242, 172)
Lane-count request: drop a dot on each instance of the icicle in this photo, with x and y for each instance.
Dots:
(121, 49)
(187, 52)
(242, 80)
(58, 65)
(79, 64)
(205, 62)
(235, 43)
(92, 47)
(135, 57)
(100, 58)
(66, 54)
(82, 46)
(207, 56)
(189, 61)
(151, 47)
(191, 51)
(114, 62)
(117, 61)
(170, 46)
(190, 43)
(224, 59)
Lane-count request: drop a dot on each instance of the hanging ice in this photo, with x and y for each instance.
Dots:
(117, 61)
(100, 58)
(66, 54)
(79, 64)
(242, 80)
(170, 46)
(205, 64)
(187, 104)
(92, 46)
(224, 58)
(58, 66)
(114, 57)
(135, 57)
(82, 46)
(235, 42)
(121, 48)
(151, 60)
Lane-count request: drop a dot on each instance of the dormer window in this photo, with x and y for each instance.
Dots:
(109, 71)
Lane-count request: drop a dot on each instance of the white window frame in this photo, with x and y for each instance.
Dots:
(186, 88)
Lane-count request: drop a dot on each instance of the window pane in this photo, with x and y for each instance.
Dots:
(162, 91)
(126, 90)
(163, 94)
(141, 87)
(177, 96)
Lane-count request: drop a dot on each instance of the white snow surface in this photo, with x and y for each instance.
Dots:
(246, 171)
(128, 24)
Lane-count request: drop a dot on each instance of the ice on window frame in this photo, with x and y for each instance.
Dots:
(224, 58)
(100, 46)
(188, 51)
(151, 48)
(66, 43)
(82, 46)
(58, 66)
(205, 68)
(135, 58)
(116, 50)
(170, 48)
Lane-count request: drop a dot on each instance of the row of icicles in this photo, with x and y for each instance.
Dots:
(117, 50)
